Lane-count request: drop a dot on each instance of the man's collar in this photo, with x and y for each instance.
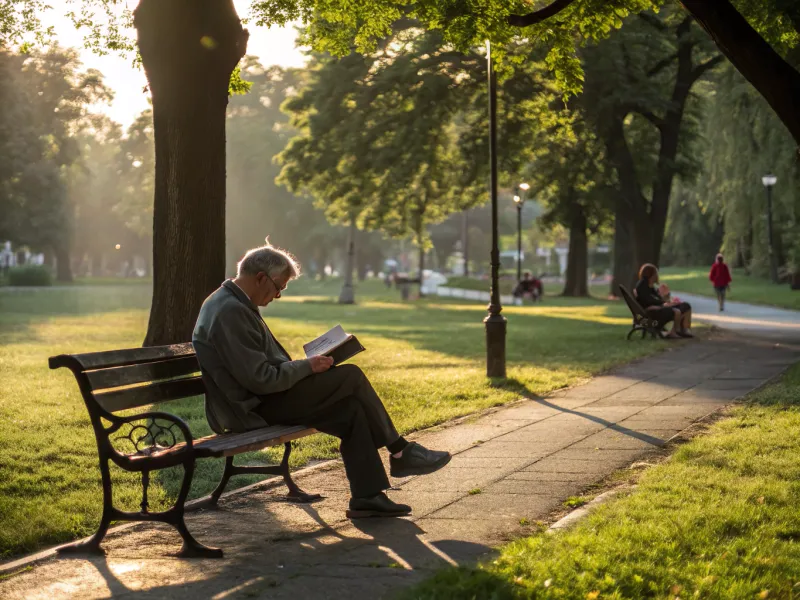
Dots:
(234, 289)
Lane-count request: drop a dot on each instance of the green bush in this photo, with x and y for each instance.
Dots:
(31, 275)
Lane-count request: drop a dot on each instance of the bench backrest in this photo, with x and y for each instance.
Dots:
(122, 379)
(635, 307)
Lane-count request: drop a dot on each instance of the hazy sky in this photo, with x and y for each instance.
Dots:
(271, 46)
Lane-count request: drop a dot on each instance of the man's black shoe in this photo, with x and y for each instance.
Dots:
(376, 506)
(417, 460)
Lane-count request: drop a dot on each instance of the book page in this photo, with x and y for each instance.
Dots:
(326, 342)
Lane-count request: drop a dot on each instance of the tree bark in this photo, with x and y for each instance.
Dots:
(348, 295)
(63, 267)
(576, 282)
(625, 268)
(774, 78)
(189, 49)
(465, 241)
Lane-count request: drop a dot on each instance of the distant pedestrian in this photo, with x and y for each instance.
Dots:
(720, 277)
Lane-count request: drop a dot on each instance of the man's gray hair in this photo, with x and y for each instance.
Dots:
(270, 260)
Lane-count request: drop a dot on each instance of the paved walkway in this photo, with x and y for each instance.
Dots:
(512, 466)
(763, 321)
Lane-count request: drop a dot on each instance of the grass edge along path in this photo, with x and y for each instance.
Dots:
(718, 519)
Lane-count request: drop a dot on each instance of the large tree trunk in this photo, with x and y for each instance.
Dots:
(774, 78)
(625, 268)
(63, 267)
(189, 49)
(465, 241)
(348, 294)
(644, 220)
(577, 283)
(421, 266)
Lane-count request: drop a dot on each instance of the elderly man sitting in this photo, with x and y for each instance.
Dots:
(252, 381)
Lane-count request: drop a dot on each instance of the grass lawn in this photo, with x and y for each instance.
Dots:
(718, 520)
(471, 283)
(507, 286)
(745, 288)
(425, 358)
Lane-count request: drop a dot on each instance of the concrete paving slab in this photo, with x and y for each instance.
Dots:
(509, 506)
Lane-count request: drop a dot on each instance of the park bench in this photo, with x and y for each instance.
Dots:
(120, 380)
(642, 321)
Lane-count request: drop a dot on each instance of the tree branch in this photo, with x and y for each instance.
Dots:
(652, 20)
(652, 117)
(538, 16)
(752, 55)
(701, 69)
(662, 64)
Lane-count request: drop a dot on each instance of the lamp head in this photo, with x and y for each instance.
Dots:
(518, 201)
(524, 186)
(769, 180)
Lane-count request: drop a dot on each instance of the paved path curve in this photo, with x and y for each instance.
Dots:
(764, 321)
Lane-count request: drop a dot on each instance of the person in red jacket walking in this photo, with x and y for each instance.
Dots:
(720, 277)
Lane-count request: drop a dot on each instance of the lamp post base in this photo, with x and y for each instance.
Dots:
(495, 345)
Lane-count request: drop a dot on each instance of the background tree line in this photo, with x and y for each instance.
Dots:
(192, 68)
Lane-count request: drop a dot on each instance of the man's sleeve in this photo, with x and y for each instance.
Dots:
(239, 346)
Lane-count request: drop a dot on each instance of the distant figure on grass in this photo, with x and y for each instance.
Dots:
(529, 286)
(720, 277)
(252, 381)
(680, 313)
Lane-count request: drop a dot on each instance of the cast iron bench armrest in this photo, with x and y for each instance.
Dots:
(152, 457)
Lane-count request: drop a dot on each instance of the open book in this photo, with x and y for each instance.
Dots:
(337, 344)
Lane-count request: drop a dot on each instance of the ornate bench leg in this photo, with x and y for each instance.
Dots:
(92, 545)
(295, 493)
(191, 547)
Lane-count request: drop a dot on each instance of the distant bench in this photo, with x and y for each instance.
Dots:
(119, 380)
(642, 320)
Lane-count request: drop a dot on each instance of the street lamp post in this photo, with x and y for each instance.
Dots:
(769, 181)
(494, 322)
(519, 200)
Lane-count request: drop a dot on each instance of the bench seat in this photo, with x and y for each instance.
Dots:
(231, 444)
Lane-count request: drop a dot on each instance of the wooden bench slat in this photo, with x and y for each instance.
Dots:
(231, 444)
(145, 372)
(118, 358)
(150, 394)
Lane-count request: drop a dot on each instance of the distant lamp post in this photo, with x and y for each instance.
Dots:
(519, 200)
(494, 322)
(769, 181)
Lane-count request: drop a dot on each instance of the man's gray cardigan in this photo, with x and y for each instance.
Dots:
(240, 360)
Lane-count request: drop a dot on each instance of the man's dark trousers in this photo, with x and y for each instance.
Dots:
(342, 403)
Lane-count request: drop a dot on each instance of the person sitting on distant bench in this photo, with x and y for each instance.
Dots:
(680, 313)
(529, 286)
(252, 381)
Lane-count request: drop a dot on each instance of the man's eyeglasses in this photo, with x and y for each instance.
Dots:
(280, 290)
